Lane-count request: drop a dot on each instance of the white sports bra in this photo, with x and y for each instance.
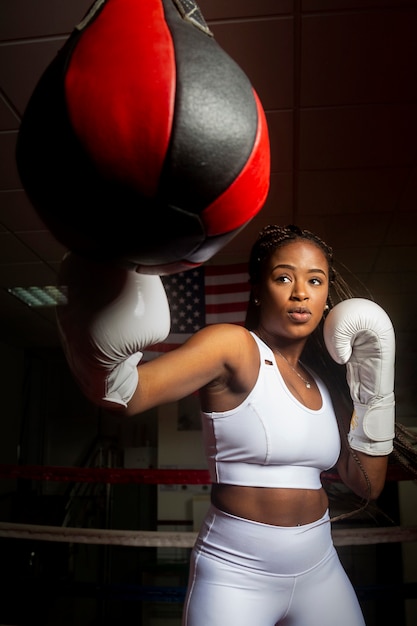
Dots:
(271, 439)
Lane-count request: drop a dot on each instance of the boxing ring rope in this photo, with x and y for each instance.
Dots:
(151, 476)
(108, 475)
(183, 539)
(176, 539)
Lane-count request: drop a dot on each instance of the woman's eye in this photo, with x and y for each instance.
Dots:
(283, 279)
(316, 281)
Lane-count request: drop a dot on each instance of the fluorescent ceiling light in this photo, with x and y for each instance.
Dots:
(40, 296)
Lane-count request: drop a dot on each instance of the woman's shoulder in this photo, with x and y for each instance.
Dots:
(229, 343)
(234, 347)
(225, 332)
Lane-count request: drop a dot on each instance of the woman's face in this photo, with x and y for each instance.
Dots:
(294, 290)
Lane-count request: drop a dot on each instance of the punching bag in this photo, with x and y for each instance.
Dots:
(144, 142)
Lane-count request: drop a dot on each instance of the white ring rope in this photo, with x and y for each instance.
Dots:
(135, 538)
(181, 539)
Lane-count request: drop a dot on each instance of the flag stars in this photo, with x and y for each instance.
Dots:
(185, 293)
(204, 296)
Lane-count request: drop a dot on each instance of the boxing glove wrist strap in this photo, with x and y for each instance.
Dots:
(121, 382)
(372, 427)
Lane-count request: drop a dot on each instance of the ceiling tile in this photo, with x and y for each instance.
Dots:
(9, 177)
(403, 230)
(12, 250)
(264, 50)
(400, 259)
(352, 191)
(43, 18)
(16, 212)
(43, 244)
(338, 5)
(280, 125)
(237, 9)
(342, 64)
(371, 136)
(9, 120)
(21, 66)
(27, 275)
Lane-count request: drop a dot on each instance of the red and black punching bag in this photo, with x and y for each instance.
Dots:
(143, 141)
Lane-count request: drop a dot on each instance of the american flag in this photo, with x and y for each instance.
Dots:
(204, 295)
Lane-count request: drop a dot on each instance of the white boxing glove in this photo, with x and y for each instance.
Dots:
(358, 333)
(112, 314)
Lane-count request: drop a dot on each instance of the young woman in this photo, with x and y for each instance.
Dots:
(274, 416)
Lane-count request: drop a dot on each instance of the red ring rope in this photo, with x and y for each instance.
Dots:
(142, 476)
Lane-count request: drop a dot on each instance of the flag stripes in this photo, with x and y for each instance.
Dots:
(202, 296)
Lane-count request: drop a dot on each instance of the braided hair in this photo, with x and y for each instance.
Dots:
(272, 237)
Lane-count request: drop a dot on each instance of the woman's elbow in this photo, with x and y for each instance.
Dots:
(372, 472)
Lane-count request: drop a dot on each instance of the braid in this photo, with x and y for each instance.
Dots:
(272, 237)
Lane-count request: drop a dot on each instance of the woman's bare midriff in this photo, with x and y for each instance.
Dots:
(278, 507)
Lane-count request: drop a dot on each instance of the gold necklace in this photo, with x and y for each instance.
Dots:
(306, 382)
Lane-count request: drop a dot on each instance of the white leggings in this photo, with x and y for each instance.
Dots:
(245, 573)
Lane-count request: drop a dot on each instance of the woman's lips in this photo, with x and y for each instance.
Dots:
(301, 316)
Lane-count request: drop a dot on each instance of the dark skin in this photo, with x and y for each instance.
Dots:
(222, 361)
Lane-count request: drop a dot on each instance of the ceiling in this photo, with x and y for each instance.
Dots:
(337, 79)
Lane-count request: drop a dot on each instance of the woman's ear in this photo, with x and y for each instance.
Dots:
(255, 296)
